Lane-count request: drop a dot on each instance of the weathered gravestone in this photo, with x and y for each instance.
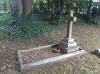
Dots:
(68, 44)
(30, 58)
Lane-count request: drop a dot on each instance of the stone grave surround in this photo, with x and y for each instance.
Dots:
(68, 44)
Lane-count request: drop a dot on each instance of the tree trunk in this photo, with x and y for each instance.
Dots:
(16, 8)
(27, 6)
(20, 7)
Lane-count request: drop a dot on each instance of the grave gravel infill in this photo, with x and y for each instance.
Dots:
(42, 55)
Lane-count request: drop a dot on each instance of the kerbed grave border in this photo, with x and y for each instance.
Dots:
(45, 61)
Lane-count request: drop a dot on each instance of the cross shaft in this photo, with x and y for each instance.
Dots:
(71, 19)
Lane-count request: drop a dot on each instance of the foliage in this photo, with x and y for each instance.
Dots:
(27, 27)
(7, 4)
(75, 3)
(56, 8)
(46, 15)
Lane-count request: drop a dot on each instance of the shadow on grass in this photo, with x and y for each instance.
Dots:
(94, 53)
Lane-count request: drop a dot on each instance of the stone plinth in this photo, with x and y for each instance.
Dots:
(68, 45)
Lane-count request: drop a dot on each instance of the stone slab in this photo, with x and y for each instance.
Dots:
(36, 48)
(68, 40)
(68, 50)
(70, 44)
(46, 61)
(72, 49)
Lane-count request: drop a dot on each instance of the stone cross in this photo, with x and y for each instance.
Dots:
(71, 19)
(68, 44)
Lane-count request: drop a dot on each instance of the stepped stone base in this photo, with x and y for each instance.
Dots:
(68, 45)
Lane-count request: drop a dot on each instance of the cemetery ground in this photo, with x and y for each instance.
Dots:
(87, 36)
